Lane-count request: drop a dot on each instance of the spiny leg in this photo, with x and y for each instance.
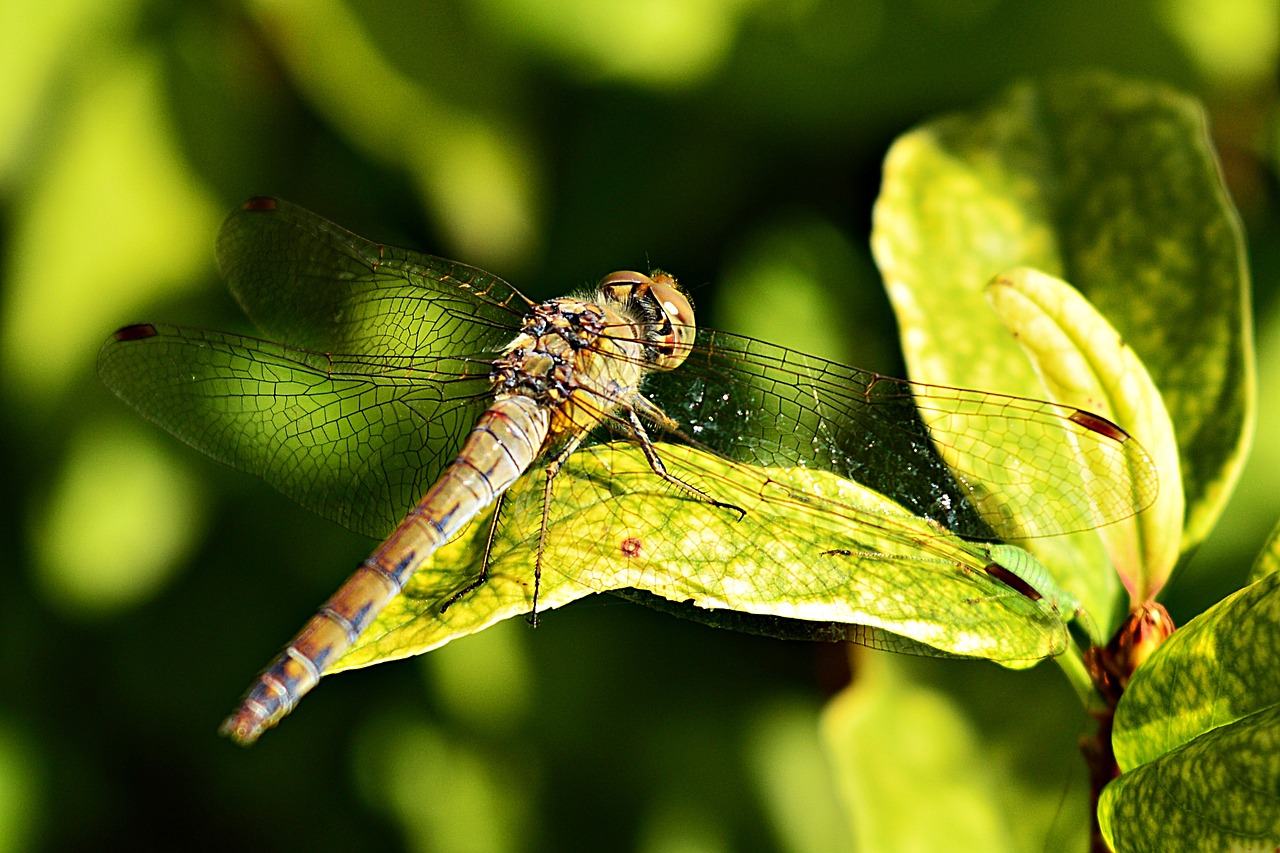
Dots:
(655, 462)
(479, 579)
(552, 470)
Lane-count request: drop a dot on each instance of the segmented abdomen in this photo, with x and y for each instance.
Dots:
(501, 446)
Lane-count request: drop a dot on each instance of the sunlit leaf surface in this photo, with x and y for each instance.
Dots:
(1197, 734)
(1112, 186)
(1211, 672)
(1217, 792)
(1268, 561)
(1080, 357)
(903, 575)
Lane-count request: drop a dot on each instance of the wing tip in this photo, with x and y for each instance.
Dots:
(261, 204)
(1012, 580)
(1100, 425)
(136, 332)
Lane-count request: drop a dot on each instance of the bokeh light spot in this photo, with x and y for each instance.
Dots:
(657, 43)
(122, 516)
(20, 807)
(484, 678)
(673, 827)
(446, 796)
(1235, 42)
(476, 174)
(792, 282)
(116, 220)
(37, 43)
(794, 779)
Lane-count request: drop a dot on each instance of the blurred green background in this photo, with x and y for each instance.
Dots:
(736, 143)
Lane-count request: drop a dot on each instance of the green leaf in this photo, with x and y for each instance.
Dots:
(995, 780)
(875, 716)
(1268, 560)
(890, 571)
(1080, 357)
(1218, 792)
(1113, 186)
(1216, 669)
(1197, 734)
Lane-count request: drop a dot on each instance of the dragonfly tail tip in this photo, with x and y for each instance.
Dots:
(241, 728)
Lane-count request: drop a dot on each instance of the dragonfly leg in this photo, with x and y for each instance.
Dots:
(552, 470)
(479, 579)
(655, 462)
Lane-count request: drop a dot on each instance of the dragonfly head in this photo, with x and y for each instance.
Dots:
(667, 311)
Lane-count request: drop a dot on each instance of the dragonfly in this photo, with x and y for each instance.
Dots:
(398, 391)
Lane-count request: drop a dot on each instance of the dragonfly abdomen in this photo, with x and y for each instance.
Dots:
(500, 448)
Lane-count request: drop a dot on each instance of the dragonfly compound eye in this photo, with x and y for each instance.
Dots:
(626, 285)
(668, 310)
(678, 329)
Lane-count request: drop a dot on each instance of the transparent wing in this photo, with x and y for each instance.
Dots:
(834, 504)
(382, 371)
(985, 466)
(307, 283)
(379, 372)
(355, 440)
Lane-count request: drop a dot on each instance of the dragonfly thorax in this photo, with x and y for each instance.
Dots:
(571, 344)
(581, 357)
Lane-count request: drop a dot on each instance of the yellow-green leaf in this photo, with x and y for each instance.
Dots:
(995, 780)
(1217, 792)
(1084, 362)
(1216, 669)
(1197, 733)
(808, 545)
(1112, 185)
(1268, 560)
